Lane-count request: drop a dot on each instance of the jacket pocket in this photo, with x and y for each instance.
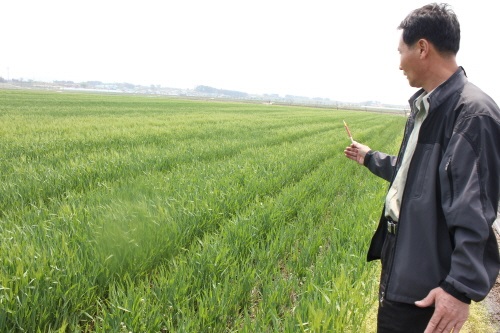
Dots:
(421, 166)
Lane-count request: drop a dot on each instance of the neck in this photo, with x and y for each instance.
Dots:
(439, 72)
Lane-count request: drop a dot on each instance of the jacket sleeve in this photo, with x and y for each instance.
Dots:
(380, 164)
(469, 177)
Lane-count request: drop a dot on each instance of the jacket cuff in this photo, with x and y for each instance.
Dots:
(448, 287)
(368, 157)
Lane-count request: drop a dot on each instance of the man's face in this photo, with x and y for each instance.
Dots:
(410, 62)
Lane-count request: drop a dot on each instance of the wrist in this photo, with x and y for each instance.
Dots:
(450, 289)
(368, 156)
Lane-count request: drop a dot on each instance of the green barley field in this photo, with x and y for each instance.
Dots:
(141, 214)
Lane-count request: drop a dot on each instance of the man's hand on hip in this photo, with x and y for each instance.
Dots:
(449, 314)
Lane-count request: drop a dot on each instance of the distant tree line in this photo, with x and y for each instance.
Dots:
(220, 92)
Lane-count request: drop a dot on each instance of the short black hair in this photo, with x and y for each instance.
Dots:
(435, 22)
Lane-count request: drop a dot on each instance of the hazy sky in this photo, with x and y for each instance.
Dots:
(342, 50)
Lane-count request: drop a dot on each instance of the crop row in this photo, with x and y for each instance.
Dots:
(182, 216)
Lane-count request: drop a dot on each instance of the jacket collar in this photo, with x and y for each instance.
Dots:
(444, 90)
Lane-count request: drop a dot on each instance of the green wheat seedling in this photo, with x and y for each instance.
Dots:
(134, 214)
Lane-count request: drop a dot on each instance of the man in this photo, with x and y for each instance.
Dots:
(435, 238)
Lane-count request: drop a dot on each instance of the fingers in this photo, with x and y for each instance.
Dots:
(450, 313)
(351, 153)
(356, 152)
(352, 147)
(440, 324)
(458, 327)
(427, 301)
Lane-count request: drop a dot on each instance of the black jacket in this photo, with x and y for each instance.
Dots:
(450, 201)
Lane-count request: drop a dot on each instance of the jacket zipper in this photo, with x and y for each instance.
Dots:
(381, 299)
(404, 143)
(447, 168)
(390, 264)
(389, 274)
(409, 125)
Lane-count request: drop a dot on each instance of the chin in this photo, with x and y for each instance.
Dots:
(413, 84)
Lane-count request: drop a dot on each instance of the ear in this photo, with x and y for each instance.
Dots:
(423, 47)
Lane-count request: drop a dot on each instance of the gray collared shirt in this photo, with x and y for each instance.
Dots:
(395, 194)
